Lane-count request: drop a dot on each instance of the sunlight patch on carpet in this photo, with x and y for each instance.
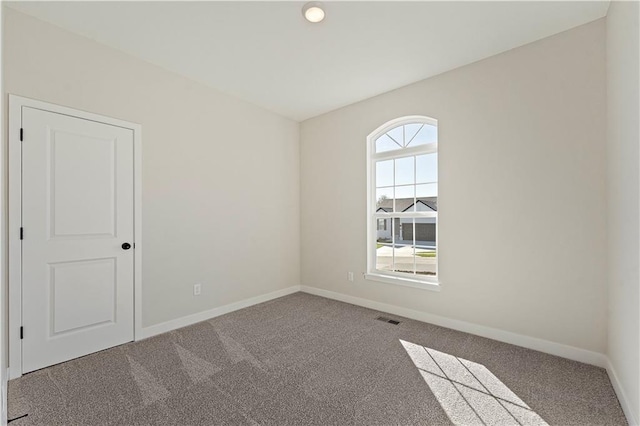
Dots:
(468, 392)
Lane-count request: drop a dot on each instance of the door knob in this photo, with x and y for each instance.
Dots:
(126, 246)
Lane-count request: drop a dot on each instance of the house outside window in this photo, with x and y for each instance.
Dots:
(403, 202)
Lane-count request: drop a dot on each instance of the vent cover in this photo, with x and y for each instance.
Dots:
(388, 320)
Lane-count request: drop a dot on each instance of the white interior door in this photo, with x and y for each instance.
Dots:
(77, 212)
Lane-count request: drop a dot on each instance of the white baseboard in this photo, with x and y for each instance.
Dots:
(546, 346)
(622, 396)
(215, 312)
(558, 349)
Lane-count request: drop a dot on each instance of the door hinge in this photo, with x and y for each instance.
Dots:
(21, 134)
(21, 333)
(21, 233)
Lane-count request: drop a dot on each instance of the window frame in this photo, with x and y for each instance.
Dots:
(392, 277)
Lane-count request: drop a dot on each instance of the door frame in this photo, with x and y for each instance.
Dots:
(16, 103)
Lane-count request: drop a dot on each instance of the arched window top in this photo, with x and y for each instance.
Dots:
(403, 133)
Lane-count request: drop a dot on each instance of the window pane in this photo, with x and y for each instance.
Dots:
(384, 173)
(385, 143)
(425, 237)
(397, 135)
(405, 171)
(402, 248)
(405, 232)
(384, 235)
(427, 204)
(427, 190)
(404, 198)
(403, 255)
(411, 130)
(384, 199)
(427, 168)
(405, 248)
(384, 247)
(427, 134)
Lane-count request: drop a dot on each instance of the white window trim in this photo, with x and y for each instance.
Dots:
(387, 277)
(390, 277)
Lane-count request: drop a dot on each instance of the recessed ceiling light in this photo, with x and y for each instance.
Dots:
(313, 11)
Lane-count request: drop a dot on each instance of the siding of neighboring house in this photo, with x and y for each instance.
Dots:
(385, 233)
(403, 228)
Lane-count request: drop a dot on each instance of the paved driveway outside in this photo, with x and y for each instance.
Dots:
(404, 259)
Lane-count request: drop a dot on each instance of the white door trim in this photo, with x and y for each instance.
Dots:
(16, 103)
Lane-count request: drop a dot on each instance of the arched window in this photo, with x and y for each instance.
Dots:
(403, 201)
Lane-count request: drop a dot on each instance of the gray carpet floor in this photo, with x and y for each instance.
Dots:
(307, 360)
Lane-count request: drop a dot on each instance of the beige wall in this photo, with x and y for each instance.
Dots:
(522, 191)
(220, 176)
(623, 112)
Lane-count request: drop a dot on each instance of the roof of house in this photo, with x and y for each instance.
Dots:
(404, 204)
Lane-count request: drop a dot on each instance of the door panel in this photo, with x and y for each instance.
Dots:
(93, 282)
(86, 206)
(77, 195)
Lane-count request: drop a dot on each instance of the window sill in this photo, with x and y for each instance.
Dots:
(407, 282)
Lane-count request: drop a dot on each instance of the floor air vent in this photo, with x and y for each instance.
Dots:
(389, 320)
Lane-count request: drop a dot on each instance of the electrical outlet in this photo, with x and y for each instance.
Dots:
(350, 276)
(197, 289)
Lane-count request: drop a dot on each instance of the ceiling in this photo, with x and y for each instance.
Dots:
(267, 54)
